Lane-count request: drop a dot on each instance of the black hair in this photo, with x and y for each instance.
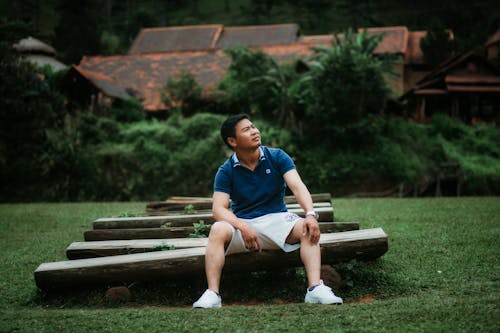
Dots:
(228, 128)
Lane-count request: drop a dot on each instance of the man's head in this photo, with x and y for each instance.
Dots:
(231, 126)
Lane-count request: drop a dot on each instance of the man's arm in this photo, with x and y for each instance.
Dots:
(299, 189)
(221, 212)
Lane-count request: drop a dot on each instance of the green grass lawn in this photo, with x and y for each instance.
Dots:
(441, 274)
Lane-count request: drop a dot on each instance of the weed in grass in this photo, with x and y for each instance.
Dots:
(164, 246)
(200, 230)
(189, 209)
(129, 214)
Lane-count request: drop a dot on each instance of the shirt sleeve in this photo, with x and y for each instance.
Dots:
(222, 182)
(285, 162)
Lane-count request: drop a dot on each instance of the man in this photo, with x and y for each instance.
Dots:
(253, 181)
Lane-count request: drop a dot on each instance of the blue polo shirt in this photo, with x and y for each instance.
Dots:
(259, 192)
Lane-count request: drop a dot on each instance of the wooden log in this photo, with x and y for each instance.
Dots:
(95, 249)
(161, 208)
(325, 214)
(364, 244)
(177, 206)
(179, 232)
(316, 197)
(106, 242)
(180, 199)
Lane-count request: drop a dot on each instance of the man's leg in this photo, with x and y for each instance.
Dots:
(309, 253)
(219, 236)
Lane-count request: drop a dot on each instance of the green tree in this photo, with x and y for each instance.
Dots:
(183, 93)
(437, 45)
(259, 85)
(37, 141)
(345, 83)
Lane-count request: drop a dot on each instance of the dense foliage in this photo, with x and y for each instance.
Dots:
(327, 111)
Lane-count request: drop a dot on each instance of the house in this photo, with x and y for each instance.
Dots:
(466, 86)
(38, 53)
(159, 54)
(78, 84)
(492, 46)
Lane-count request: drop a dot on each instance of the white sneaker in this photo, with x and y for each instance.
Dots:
(322, 294)
(209, 299)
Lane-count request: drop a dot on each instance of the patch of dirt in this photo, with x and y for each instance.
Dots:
(364, 299)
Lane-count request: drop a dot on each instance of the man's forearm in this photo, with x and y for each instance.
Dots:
(226, 215)
(303, 197)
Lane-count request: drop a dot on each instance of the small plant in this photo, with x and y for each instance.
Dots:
(200, 230)
(164, 247)
(348, 269)
(128, 214)
(189, 209)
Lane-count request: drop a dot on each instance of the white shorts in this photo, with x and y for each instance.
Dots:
(272, 230)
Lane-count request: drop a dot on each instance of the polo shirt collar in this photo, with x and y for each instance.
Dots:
(237, 162)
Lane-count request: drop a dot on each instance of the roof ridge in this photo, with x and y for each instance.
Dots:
(262, 26)
(178, 27)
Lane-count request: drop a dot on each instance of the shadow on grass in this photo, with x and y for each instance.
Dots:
(380, 278)
(377, 278)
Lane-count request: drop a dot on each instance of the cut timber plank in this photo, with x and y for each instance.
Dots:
(336, 247)
(178, 232)
(105, 247)
(94, 249)
(168, 208)
(325, 214)
(316, 197)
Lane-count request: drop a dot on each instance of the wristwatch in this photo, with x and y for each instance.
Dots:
(312, 213)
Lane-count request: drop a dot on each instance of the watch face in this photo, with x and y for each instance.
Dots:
(313, 213)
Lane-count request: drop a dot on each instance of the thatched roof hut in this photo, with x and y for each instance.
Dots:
(39, 53)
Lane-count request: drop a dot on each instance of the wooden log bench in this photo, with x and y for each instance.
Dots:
(107, 243)
(180, 220)
(184, 231)
(200, 208)
(316, 197)
(364, 244)
(168, 208)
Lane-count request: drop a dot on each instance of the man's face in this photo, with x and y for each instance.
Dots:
(247, 135)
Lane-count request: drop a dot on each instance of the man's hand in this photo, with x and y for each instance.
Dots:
(250, 237)
(311, 226)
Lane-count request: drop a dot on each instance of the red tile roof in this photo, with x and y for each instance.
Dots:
(414, 54)
(108, 85)
(395, 39)
(319, 39)
(182, 38)
(148, 73)
(258, 35)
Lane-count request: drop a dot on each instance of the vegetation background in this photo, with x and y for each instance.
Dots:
(347, 143)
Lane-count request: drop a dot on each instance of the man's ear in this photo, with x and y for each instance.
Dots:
(231, 141)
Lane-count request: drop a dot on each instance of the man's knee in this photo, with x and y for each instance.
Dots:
(220, 231)
(295, 235)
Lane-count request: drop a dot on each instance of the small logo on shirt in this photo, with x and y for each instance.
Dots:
(268, 171)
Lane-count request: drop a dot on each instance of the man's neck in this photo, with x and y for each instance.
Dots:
(249, 158)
